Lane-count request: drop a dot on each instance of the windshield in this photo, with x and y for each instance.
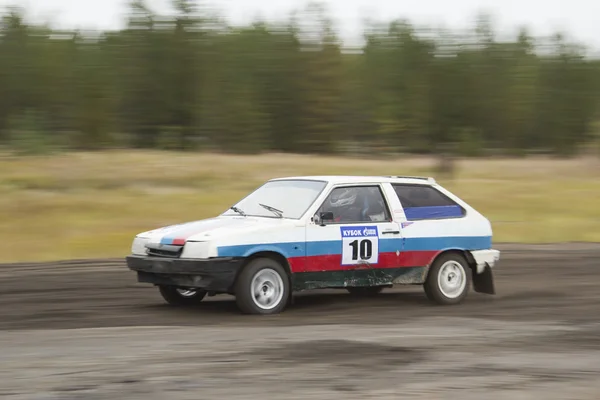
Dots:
(291, 197)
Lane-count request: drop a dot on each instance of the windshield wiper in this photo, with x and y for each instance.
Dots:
(237, 210)
(279, 213)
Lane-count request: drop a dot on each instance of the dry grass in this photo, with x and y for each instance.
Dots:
(82, 205)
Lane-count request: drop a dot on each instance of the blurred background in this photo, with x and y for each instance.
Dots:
(118, 117)
(115, 119)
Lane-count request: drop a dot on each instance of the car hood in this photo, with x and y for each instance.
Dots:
(208, 229)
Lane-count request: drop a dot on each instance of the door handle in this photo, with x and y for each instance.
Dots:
(390, 232)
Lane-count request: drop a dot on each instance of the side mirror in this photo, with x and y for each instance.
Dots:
(325, 216)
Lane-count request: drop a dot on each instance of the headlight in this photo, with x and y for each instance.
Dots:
(138, 247)
(196, 250)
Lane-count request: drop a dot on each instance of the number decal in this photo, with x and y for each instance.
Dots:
(366, 249)
(354, 245)
(360, 244)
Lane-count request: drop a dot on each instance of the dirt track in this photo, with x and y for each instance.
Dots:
(539, 337)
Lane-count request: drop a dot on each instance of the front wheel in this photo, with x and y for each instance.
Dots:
(448, 280)
(262, 287)
(181, 297)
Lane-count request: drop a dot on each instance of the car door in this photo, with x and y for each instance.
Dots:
(352, 239)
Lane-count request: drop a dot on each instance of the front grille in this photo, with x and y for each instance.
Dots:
(163, 250)
(162, 253)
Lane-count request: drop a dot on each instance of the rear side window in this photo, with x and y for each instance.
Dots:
(422, 202)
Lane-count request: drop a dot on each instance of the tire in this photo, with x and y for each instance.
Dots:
(270, 297)
(453, 270)
(181, 297)
(366, 291)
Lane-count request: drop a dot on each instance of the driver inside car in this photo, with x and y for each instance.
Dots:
(342, 203)
(356, 205)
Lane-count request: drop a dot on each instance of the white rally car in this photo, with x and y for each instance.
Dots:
(359, 233)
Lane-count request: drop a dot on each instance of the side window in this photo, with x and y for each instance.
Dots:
(425, 202)
(354, 204)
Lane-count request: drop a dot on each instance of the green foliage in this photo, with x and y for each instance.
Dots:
(470, 142)
(27, 133)
(173, 82)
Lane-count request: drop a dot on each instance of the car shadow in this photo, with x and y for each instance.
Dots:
(340, 299)
(325, 300)
(319, 307)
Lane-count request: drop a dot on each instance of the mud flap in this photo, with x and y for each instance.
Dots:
(484, 282)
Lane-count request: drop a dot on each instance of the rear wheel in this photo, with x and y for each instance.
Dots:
(366, 291)
(448, 280)
(263, 287)
(181, 297)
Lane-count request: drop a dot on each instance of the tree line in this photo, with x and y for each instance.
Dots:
(191, 81)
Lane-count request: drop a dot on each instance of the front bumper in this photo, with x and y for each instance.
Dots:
(216, 274)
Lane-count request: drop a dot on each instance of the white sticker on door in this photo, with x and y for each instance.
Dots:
(360, 244)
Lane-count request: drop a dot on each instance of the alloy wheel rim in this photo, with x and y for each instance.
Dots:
(452, 279)
(267, 289)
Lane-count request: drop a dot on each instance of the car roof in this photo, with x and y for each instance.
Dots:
(351, 179)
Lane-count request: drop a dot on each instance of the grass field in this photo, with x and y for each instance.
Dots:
(86, 205)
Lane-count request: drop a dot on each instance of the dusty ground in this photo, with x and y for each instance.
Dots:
(84, 330)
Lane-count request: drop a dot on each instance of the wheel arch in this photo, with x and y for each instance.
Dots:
(465, 253)
(273, 255)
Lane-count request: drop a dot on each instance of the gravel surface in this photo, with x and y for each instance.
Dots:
(87, 330)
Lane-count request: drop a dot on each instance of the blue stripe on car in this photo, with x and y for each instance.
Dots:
(328, 247)
(166, 240)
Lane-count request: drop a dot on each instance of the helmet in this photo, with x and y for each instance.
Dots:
(343, 198)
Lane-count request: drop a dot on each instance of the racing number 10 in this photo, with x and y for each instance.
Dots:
(366, 249)
(359, 244)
